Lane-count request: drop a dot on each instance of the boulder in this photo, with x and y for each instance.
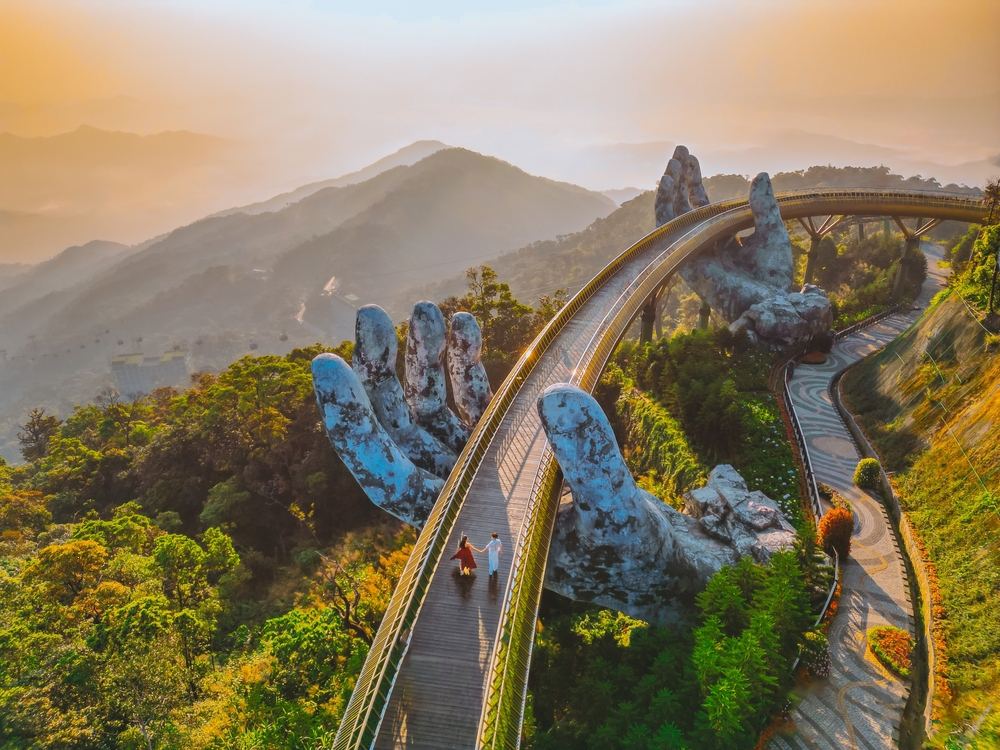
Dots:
(788, 320)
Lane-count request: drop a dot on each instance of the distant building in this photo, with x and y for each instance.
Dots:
(137, 373)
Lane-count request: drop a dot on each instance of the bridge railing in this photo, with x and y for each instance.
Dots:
(361, 720)
(812, 488)
(869, 321)
(503, 706)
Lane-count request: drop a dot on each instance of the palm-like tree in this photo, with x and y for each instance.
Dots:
(991, 194)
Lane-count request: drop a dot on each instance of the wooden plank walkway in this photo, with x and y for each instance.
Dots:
(438, 696)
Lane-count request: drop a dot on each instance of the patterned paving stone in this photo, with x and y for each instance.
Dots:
(861, 704)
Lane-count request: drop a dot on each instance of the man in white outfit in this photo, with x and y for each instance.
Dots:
(494, 548)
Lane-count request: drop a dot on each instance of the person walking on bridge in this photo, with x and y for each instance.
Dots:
(464, 556)
(494, 548)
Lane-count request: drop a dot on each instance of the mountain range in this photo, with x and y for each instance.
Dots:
(269, 280)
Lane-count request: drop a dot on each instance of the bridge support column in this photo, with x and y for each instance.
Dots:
(900, 281)
(703, 315)
(861, 231)
(811, 258)
(816, 234)
(912, 242)
(647, 320)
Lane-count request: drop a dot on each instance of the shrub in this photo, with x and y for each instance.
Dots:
(892, 647)
(816, 654)
(867, 474)
(835, 529)
(824, 343)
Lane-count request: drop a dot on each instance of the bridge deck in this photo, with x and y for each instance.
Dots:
(440, 687)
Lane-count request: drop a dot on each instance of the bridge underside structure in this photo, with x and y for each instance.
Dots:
(449, 665)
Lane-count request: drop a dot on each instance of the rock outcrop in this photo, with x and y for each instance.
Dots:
(618, 546)
(747, 280)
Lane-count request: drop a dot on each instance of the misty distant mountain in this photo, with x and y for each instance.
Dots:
(74, 187)
(403, 158)
(222, 283)
(622, 195)
(12, 269)
(73, 266)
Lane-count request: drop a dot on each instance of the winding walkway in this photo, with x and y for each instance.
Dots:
(861, 704)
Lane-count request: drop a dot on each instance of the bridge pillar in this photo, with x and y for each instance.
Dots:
(861, 231)
(647, 319)
(912, 242)
(897, 285)
(816, 234)
(811, 258)
(703, 315)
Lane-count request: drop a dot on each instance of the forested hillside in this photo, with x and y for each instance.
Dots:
(929, 404)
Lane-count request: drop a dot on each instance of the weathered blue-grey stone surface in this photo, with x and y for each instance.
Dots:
(748, 280)
(677, 166)
(788, 319)
(374, 361)
(469, 383)
(386, 475)
(425, 389)
(680, 189)
(619, 546)
(697, 196)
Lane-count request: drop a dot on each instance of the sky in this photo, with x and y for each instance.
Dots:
(318, 88)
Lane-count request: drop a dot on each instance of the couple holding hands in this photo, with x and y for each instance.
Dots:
(468, 563)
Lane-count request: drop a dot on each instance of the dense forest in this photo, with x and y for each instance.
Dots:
(198, 569)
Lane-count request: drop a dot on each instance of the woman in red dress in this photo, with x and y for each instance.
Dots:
(464, 557)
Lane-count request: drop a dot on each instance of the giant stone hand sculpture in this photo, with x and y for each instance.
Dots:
(618, 546)
(375, 351)
(400, 448)
(747, 281)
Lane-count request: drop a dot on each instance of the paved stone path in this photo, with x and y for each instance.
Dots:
(861, 704)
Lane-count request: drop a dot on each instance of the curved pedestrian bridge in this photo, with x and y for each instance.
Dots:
(449, 665)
